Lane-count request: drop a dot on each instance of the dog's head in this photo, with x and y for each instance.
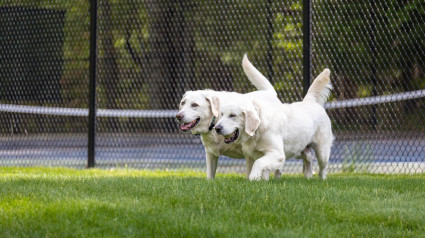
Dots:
(196, 111)
(237, 118)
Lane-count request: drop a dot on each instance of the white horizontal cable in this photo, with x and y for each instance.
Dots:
(80, 112)
(55, 111)
(137, 113)
(375, 100)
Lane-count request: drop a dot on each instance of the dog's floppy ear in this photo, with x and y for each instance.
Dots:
(252, 121)
(214, 103)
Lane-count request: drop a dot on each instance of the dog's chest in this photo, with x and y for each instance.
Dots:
(249, 150)
(232, 151)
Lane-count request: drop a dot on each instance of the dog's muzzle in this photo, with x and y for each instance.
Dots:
(185, 127)
(231, 137)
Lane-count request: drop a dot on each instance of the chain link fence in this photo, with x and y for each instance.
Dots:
(150, 52)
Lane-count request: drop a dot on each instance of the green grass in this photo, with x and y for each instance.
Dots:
(56, 202)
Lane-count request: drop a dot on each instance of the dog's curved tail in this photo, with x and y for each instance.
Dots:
(255, 76)
(320, 88)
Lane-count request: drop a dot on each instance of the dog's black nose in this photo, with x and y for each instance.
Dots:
(218, 128)
(179, 116)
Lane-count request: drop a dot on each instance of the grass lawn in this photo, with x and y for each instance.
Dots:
(57, 202)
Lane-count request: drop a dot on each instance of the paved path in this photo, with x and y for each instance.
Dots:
(393, 155)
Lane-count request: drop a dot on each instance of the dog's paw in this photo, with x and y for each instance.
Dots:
(322, 175)
(255, 176)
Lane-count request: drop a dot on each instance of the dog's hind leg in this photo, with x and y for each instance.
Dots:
(322, 153)
(307, 163)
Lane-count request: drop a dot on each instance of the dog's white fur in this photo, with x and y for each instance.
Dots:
(271, 132)
(205, 105)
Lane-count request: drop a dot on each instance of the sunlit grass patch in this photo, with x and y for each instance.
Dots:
(63, 202)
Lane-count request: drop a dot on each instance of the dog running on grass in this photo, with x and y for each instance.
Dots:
(198, 111)
(270, 132)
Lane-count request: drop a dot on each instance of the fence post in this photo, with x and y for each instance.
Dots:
(306, 45)
(92, 85)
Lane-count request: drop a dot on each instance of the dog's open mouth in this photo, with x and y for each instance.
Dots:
(231, 137)
(185, 127)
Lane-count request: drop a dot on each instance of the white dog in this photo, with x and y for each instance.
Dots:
(271, 132)
(199, 109)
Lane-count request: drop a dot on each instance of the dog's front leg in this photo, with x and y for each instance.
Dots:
(212, 161)
(277, 173)
(269, 162)
(249, 164)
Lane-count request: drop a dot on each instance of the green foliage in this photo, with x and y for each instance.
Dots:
(131, 203)
(347, 31)
(139, 41)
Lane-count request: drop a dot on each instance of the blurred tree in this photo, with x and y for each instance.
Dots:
(355, 38)
(168, 34)
(108, 69)
(150, 52)
(408, 32)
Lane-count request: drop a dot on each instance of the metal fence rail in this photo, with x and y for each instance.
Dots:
(139, 57)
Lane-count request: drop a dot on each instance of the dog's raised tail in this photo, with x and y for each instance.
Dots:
(255, 76)
(320, 88)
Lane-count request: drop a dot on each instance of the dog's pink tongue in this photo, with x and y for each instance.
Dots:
(185, 126)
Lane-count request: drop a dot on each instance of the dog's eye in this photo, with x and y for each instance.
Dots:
(232, 115)
(195, 105)
(182, 103)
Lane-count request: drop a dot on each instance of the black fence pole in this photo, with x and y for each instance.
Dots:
(306, 45)
(92, 85)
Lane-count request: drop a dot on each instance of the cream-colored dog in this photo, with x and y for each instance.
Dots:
(199, 109)
(270, 132)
